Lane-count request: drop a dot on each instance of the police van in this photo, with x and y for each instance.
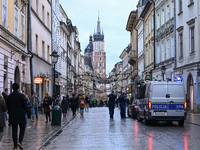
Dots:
(162, 101)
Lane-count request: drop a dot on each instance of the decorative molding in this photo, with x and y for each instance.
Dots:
(191, 4)
(180, 28)
(191, 21)
(11, 38)
(180, 13)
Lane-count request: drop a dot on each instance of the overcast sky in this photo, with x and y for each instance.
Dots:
(113, 16)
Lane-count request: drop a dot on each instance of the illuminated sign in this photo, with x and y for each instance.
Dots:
(38, 80)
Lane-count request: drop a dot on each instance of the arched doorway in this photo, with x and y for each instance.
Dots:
(17, 75)
(190, 92)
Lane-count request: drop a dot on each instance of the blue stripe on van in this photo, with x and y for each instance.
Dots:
(164, 106)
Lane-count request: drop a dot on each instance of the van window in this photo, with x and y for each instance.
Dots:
(175, 90)
(142, 91)
(147, 91)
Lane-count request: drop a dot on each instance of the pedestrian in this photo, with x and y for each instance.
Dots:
(35, 103)
(88, 102)
(73, 103)
(17, 107)
(28, 104)
(111, 103)
(122, 101)
(47, 102)
(2, 119)
(82, 104)
(64, 105)
(5, 96)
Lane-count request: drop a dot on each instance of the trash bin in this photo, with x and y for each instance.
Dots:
(56, 116)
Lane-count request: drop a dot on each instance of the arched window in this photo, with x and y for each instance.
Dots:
(100, 58)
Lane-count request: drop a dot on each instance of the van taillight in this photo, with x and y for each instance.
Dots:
(149, 105)
(185, 105)
(136, 107)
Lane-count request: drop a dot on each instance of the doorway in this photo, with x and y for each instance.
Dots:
(190, 92)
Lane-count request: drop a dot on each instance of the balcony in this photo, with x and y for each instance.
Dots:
(132, 57)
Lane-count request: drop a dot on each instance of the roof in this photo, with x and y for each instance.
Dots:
(89, 48)
(88, 62)
(145, 10)
(131, 19)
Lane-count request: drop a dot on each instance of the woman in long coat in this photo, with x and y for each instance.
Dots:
(2, 119)
(64, 105)
(47, 102)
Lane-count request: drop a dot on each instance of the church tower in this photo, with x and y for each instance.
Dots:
(99, 54)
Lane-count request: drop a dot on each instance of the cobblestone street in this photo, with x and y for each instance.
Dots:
(97, 131)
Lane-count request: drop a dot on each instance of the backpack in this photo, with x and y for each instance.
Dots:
(82, 102)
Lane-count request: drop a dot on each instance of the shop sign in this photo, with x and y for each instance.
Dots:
(38, 80)
(178, 72)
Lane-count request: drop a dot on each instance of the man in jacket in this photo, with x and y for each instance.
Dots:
(111, 103)
(122, 101)
(5, 96)
(74, 103)
(35, 103)
(16, 109)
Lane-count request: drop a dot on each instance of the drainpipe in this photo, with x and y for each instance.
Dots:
(29, 46)
(174, 37)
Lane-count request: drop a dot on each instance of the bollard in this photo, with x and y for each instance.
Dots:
(56, 116)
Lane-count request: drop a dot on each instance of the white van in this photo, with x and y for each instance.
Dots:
(162, 101)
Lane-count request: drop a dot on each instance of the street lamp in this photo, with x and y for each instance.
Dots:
(54, 59)
(163, 69)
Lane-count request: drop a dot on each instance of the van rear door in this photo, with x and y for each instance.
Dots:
(176, 99)
(158, 99)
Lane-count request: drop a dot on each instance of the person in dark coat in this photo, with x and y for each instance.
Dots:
(47, 102)
(28, 104)
(111, 103)
(5, 96)
(2, 119)
(16, 109)
(74, 103)
(64, 105)
(122, 101)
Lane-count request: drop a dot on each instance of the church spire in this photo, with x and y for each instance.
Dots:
(98, 24)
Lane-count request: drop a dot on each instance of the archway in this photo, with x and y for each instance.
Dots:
(17, 75)
(190, 92)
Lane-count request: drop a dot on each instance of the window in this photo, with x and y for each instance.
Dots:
(172, 46)
(16, 22)
(37, 5)
(43, 13)
(100, 64)
(100, 71)
(181, 44)
(146, 29)
(100, 53)
(180, 6)
(22, 27)
(36, 43)
(150, 54)
(149, 25)
(43, 50)
(152, 22)
(158, 21)
(48, 19)
(168, 13)
(100, 58)
(163, 17)
(147, 56)
(168, 49)
(163, 51)
(192, 47)
(172, 8)
(158, 54)
(4, 14)
(103, 64)
(48, 53)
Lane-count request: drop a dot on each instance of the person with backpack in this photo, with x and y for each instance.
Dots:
(73, 103)
(82, 104)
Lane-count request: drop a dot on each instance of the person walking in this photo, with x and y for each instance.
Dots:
(64, 105)
(17, 107)
(2, 119)
(47, 102)
(82, 104)
(111, 103)
(35, 103)
(122, 101)
(88, 102)
(28, 104)
(74, 103)
(5, 96)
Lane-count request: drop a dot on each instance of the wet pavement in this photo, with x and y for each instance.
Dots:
(96, 131)
(36, 133)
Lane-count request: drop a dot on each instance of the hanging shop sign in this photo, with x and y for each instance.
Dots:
(38, 80)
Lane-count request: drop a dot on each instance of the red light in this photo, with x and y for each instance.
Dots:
(136, 107)
(149, 105)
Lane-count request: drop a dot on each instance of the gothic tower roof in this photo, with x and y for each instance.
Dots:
(89, 48)
(98, 36)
